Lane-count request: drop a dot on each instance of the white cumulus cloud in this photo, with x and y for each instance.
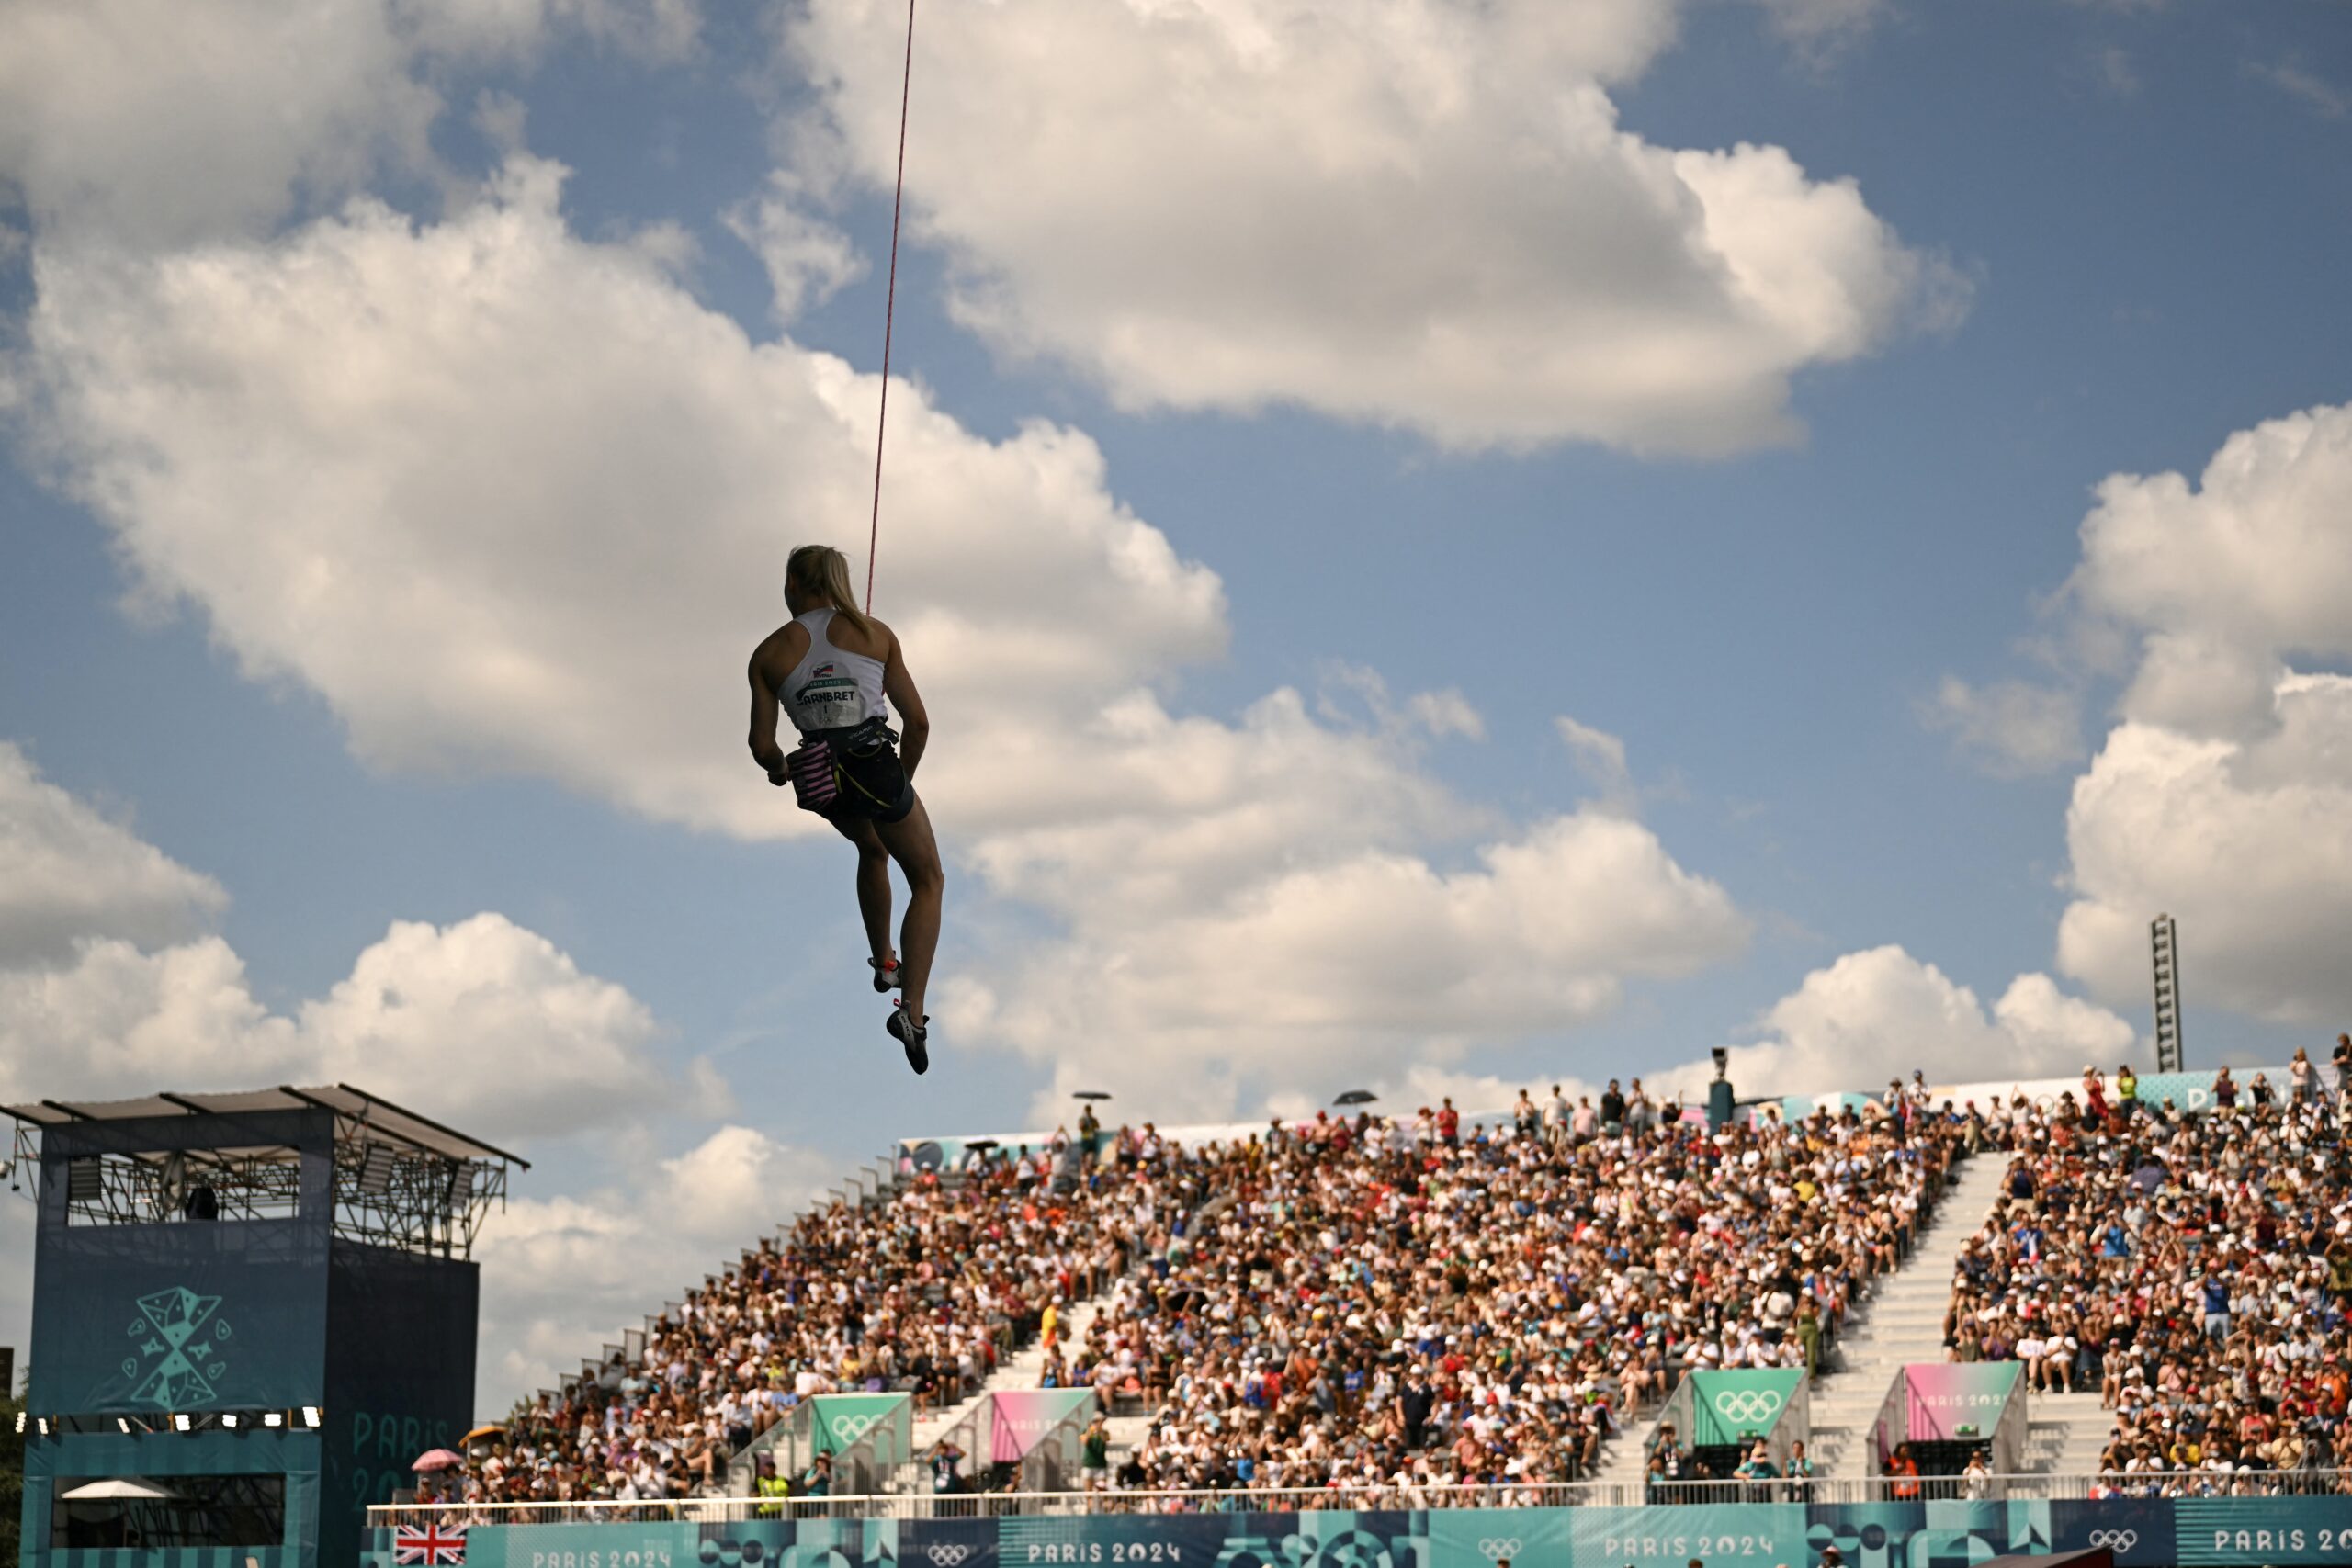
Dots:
(2246, 844)
(480, 1023)
(1356, 966)
(1598, 756)
(1851, 1025)
(808, 259)
(2230, 575)
(161, 120)
(1878, 1014)
(511, 502)
(487, 1022)
(562, 1275)
(2224, 796)
(2011, 729)
(1418, 213)
(67, 873)
(515, 501)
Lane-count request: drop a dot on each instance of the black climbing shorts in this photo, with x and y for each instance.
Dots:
(874, 783)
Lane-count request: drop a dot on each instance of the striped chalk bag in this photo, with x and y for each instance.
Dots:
(815, 785)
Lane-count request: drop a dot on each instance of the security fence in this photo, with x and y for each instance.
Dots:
(1838, 1491)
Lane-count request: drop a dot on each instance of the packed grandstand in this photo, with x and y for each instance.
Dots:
(2196, 1271)
(1384, 1308)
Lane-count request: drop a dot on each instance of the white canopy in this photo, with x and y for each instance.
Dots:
(118, 1488)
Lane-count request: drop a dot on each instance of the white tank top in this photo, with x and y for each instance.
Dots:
(830, 688)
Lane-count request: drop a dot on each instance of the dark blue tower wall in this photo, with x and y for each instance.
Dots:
(400, 1377)
(186, 1315)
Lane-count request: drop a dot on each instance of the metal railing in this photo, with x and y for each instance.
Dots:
(1557, 1494)
(2015, 1425)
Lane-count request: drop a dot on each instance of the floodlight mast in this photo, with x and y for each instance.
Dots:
(2163, 940)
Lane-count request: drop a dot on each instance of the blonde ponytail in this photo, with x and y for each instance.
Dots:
(821, 572)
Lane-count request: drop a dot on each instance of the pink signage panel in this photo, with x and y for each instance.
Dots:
(1019, 1420)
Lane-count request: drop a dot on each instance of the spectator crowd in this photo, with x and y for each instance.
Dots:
(924, 1293)
(1383, 1307)
(1378, 1308)
(2194, 1269)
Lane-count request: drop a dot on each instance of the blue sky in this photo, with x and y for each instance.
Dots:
(2092, 240)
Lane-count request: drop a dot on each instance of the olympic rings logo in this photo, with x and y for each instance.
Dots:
(1495, 1548)
(1749, 1403)
(947, 1554)
(849, 1428)
(2122, 1540)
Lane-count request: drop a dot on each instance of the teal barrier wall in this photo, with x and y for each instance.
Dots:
(1729, 1406)
(843, 1420)
(2142, 1533)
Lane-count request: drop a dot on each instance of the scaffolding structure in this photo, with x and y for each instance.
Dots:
(397, 1180)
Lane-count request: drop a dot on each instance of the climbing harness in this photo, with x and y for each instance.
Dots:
(819, 766)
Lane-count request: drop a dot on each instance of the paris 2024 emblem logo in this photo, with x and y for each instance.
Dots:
(182, 1345)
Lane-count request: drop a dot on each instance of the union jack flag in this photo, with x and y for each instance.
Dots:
(429, 1544)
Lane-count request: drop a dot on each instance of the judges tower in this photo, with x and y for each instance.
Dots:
(251, 1312)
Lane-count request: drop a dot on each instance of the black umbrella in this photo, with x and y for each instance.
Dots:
(1356, 1097)
(1091, 1094)
(978, 1146)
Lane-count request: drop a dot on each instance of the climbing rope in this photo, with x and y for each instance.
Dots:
(890, 307)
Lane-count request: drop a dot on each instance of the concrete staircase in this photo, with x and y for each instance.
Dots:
(1902, 1322)
(2066, 1433)
(1126, 1433)
(1624, 1459)
(1021, 1370)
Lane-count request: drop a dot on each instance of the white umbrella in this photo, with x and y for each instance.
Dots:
(119, 1488)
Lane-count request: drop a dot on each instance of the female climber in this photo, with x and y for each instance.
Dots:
(836, 672)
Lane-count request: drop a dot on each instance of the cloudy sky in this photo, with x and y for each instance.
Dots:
(1448, 546)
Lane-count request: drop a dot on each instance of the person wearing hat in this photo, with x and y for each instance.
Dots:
(1758, 1467)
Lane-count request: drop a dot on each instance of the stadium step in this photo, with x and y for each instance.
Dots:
(1019, 1370)
(1626, 1459)
(1127, 1434)
(2067, 1433)
(1901, 1323)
